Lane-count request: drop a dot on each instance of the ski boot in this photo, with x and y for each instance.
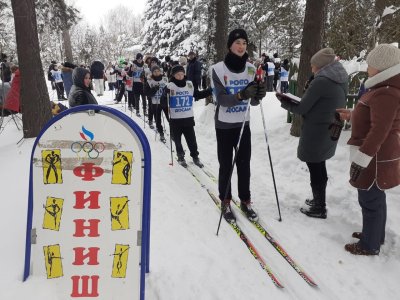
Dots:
(245, 206)
(197, 162)
(182, 161)
(138, 114)
(151, 125)
(227, 211)
(162, 139)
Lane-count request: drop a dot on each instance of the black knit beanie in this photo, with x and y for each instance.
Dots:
(237, 34)
(176, 69)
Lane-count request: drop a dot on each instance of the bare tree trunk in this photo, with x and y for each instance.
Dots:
(221, 33)
(67, 45)
(211, 53)
(33, 94)
(313, 31)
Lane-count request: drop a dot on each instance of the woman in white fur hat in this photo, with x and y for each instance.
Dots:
(375, 146)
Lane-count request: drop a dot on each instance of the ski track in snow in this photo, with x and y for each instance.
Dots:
(187, 259)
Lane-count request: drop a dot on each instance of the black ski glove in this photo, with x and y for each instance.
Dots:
(261, 91)
(355, 171)
(250, 91)
(336, 127)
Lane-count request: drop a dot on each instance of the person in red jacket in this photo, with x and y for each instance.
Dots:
(375, 146)
(12, 102)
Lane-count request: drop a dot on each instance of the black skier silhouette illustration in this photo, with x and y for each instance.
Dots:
(50, 257)
(119, 257)
(122, 159)
(116, 216)
(52, 158)
(53, 210)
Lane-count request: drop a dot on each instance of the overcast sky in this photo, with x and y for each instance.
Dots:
(92, 11)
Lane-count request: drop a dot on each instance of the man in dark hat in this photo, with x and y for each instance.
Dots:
(194, 70)
(234, 86)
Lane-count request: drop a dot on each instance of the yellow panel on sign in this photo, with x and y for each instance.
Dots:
(51, 160)
(52, 213)
(120, 261)
(122, 167)
(119, 213)
(52, 258)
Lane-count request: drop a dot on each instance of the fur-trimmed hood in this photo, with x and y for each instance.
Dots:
(385, 78)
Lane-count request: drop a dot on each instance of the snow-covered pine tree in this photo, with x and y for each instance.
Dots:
(7, 31)
(265, 22)
(345, 33)
(167, 25)
(54, 18)
(387, 22)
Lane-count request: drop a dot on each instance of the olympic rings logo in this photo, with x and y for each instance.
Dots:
(92, 150)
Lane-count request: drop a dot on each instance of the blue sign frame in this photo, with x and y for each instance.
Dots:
(145, 252)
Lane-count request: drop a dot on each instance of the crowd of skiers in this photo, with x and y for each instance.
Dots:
(169, 88)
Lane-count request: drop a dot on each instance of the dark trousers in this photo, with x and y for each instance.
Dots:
(137, 101)
(373, 205)
(121, 92)
(227, 140)
(270, 83)
(275, 83)
(157, 111)
(190, 137)
(60, 90)
(318, 173)
(150, 110)
(111, 86)
(284, 86)
(131, 99)
(117, 88)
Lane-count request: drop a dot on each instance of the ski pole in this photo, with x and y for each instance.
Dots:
(144, 110)
(270, 161)
(156, 118)
(259, 79)
(223, 207)
(163, 122)
(170, 131)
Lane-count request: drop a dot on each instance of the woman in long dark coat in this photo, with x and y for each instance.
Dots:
(326, 93)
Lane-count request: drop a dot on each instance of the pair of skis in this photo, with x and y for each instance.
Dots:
(260, 228)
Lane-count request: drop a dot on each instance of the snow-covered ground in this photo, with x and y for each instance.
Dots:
(188, 261)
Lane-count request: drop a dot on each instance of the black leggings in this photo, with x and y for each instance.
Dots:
(318, 174)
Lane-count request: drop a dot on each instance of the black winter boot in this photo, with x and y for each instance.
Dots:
(317, 208)
(314, 189)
